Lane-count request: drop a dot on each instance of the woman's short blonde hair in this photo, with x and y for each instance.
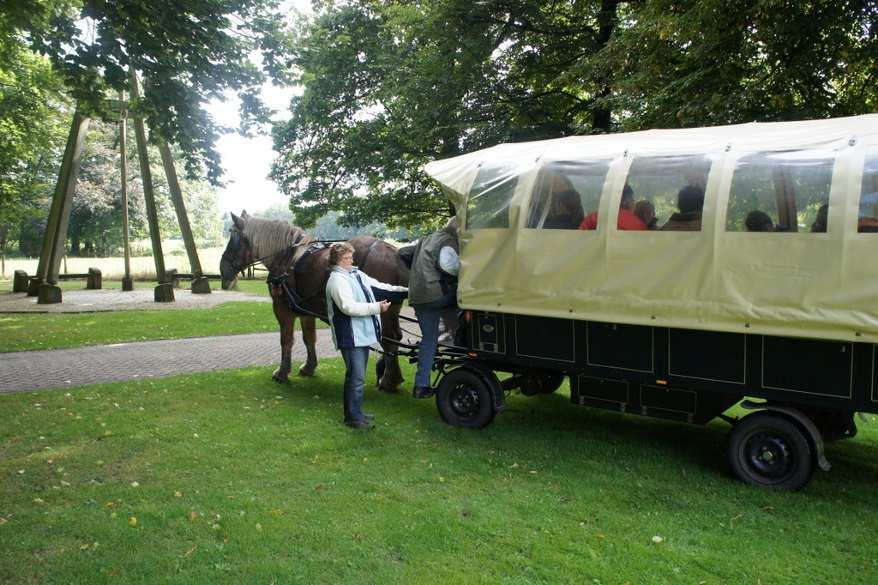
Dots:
(337, 250)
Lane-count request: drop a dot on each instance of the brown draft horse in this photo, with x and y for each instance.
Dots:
(284, 249)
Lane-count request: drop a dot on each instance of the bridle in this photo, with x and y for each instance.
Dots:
(235, 239)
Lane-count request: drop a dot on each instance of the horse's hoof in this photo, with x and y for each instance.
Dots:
(306, 372)
(280, 377)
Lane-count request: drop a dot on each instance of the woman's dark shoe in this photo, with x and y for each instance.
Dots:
(422, 392)
(359, 424)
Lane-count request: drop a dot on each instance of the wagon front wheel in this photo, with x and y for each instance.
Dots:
(464, 400)
(767, 449)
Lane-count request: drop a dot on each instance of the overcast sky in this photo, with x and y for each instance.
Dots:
(247, 161)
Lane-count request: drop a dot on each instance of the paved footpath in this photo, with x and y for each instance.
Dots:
(58, 368)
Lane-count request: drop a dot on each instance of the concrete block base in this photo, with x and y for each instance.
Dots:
(49, 294)
(200, 286)
(164, 293)
(19, 281)
(127, 284)
(95, 279)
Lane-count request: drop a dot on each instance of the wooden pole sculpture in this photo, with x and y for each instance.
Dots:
(45, 284)
(127, 282)
(164, 292)
(200, 284)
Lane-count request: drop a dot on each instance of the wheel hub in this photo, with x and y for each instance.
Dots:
(769, 455)
(465, 400)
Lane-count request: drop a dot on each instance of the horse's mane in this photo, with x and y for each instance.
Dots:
(270, 236)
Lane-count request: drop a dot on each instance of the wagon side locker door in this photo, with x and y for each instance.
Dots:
(488, 332)
(615, 360)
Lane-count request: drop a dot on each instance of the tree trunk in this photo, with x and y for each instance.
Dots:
(601, 114)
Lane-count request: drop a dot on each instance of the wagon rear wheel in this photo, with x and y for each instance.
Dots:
(464, 399)
(767, 449)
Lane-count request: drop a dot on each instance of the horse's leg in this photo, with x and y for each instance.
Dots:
(391, 378)
(309, 336)
(286, 321)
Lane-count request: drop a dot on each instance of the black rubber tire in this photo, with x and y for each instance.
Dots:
(464, 399)
(767, 449)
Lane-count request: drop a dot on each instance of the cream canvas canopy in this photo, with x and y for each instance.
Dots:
(811, 187)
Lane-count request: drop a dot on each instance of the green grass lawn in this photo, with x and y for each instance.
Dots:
(254, 287)
(26, 331)
(229, 477)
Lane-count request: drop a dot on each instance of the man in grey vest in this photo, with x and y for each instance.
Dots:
(432, 288)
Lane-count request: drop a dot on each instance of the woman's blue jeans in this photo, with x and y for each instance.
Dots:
(355, 361)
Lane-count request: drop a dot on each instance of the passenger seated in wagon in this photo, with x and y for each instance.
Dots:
(627, 219)
(565, 207)
(690, 200)
(645, 210)
(758, 221)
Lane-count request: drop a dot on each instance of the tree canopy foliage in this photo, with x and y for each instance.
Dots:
(391, 85)
(33, 130)
(188, 52)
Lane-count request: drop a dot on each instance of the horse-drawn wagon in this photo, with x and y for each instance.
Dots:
(712, 267)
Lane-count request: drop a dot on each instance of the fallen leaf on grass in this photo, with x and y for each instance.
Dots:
(767, 508)
(190, 551)
(193, 516)
(3, 520)
(178, 494)
(134, 484)
(38, 501)
(657, 539)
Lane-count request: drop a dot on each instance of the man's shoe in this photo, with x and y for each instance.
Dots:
(422, 392)
(359, 424)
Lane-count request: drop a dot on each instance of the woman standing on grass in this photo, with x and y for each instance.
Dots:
(353, 302)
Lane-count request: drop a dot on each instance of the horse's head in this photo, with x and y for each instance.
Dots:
(238, 254)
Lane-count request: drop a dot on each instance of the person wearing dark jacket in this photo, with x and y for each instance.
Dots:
(690, 200)
(432, 288)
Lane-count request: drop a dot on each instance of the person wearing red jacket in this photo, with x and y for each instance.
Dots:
(627, 219)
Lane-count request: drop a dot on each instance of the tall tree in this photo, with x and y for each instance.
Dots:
(189, 52)
(389, 86)
(680, 63)
(34, 121)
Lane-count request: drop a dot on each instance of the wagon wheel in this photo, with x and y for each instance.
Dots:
(767, 449)
(464, 399)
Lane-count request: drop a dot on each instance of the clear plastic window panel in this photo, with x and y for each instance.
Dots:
(868, 220)
(664, 193)
(781, 192)
(565, 193)
(489, 197)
